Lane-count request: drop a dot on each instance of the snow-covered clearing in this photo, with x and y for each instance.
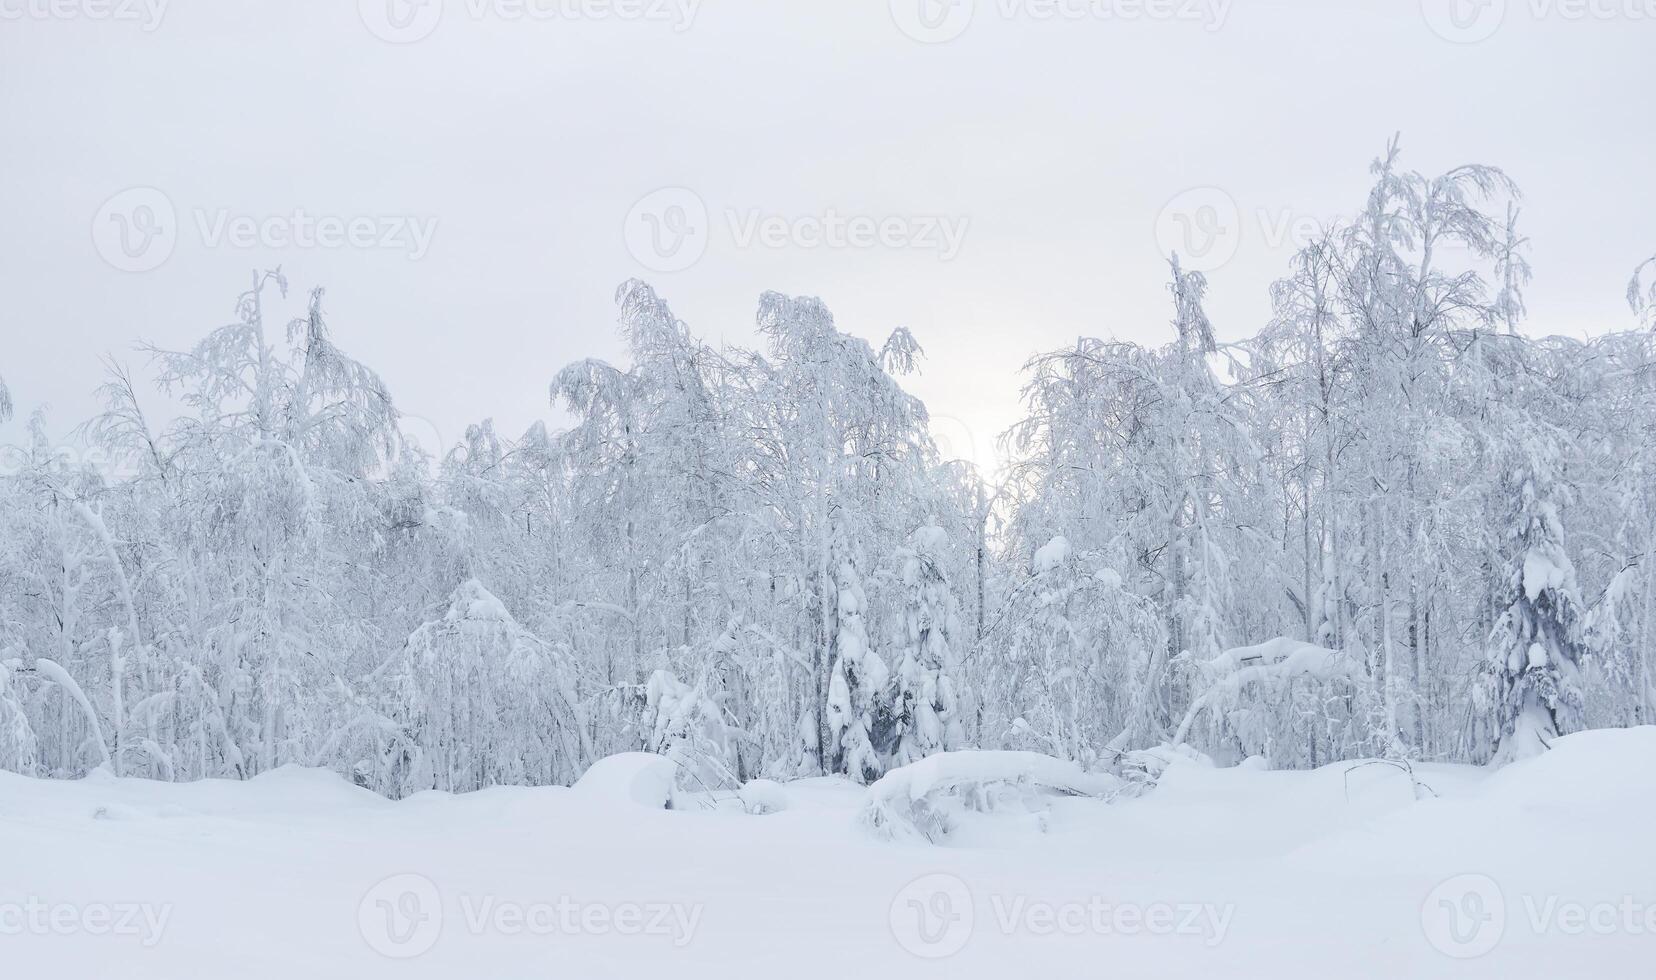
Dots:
(1215, 872)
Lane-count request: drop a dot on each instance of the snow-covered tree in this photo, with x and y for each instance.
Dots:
(856, 713)
(1538, 644)
(476, 700)
(711, 552)
(926, 708)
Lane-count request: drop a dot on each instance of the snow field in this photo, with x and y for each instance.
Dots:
(1544, 869)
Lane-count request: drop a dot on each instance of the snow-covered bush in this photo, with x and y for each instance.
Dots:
(928, 799)
(687, 727)
(1139, 769)
(762, 796)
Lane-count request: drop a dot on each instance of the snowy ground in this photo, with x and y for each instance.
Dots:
(1546, 869)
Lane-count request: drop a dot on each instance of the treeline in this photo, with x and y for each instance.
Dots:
(755, 562)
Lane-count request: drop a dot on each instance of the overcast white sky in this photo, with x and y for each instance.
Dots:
(1049, 140)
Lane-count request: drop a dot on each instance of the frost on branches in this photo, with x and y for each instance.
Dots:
(1388, 522)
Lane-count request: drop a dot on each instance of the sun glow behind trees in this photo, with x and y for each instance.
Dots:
(757, 563)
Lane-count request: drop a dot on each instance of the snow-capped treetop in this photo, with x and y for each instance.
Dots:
(1050, 555)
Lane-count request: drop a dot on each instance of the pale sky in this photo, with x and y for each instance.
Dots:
(999, 176)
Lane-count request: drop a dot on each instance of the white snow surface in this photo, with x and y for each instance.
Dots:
(1313, 874)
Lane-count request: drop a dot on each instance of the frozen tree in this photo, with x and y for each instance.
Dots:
(856, 713)
(1641, 296)
(1538, 645)
(926, 708)
(1513, 271)
(1142, 460)
(1388, 523)
(842, 476)
(476, 700)
(1194, 331)
(1084, 669)
(17, 739)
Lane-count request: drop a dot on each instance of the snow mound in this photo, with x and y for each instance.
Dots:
(1142, 769)
(763, 796)
(289, 794)
(928, 800)
(639, 778)
(1473, 819)
(1608, 764)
